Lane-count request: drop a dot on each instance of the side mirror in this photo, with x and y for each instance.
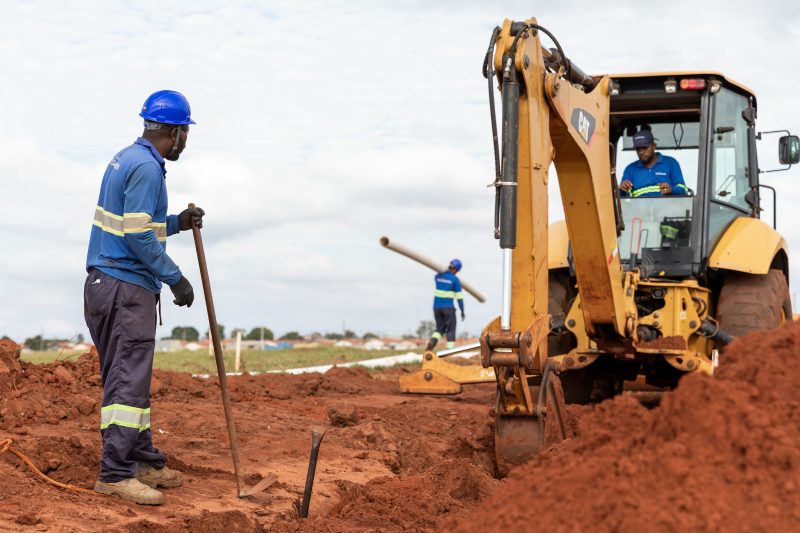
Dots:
(789, 150)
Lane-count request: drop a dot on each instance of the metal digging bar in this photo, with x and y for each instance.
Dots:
(316, 440)
(265, 482)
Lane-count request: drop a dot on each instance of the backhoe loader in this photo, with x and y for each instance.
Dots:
(627, 292)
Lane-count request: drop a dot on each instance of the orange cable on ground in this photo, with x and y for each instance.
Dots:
(5, 446)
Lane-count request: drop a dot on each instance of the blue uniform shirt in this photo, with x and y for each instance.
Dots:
(645, 180)
(448, 288)
(129, 232)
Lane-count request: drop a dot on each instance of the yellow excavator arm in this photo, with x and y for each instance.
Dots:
(563, 119)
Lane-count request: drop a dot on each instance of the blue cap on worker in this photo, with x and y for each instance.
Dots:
(643, 139)
(167, 107)
(455, 263)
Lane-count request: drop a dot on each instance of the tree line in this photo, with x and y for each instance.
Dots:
(189, 333)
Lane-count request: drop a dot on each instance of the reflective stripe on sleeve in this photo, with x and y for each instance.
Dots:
(645, 190)
(107, 221)
(141, 222)
(128, 223)
(682, 186)
(126, 416)
(445, 294)
(459, 295)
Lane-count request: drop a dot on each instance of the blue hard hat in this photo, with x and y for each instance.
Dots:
(167, 107)
(455, 263)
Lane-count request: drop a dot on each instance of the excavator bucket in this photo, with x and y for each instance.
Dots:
(518, 438)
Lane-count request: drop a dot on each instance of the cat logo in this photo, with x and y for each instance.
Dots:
(584, 123)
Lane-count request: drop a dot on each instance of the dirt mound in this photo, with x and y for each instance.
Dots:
(9, 360)
(718, 454)
(448, 488)
(48, 393)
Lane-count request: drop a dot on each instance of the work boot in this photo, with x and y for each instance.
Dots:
(431, 345)
(130, 489)
(155, 477)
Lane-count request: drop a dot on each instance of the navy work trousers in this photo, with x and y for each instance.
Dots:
(445, 318)
(121, 318)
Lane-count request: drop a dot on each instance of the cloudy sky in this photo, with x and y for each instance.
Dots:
(321, 127)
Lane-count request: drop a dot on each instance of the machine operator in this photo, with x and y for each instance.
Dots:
(654, 174)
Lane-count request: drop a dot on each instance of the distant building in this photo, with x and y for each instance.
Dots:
(404, 345)
(374, 344)
(168, 345)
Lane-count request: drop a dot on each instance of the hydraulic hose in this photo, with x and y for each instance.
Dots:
(712, 331)
(488, 72)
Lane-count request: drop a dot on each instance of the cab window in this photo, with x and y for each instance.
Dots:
(729, 181)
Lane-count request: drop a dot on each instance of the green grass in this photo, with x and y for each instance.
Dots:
(252, 360)
(46, 357)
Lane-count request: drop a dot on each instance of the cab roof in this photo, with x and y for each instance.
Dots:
(678, 74)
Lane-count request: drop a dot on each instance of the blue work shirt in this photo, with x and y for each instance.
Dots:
(448, 288)
(645, 180)
(128, 239)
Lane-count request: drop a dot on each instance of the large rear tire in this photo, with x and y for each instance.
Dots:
(753, 302)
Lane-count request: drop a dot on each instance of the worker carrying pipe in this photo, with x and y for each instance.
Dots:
(449, 288)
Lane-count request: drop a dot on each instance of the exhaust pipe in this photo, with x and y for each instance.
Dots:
(438, 267)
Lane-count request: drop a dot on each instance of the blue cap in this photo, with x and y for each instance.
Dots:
(643, 139)
(455, 263)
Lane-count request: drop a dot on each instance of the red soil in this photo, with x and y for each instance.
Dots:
(394, 449)
(718, 453)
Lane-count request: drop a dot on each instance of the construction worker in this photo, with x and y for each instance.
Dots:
(654, 174)
(448, 288)
(127, 264)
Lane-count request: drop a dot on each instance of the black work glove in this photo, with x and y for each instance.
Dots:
(184, 294)
(462, 316)
(191, 216)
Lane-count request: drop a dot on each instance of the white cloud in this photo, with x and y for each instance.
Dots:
(321, 127)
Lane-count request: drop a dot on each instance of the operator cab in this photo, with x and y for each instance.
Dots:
(707, 124)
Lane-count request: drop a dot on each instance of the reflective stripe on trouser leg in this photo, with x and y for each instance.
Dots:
(436, 335)
(451, 344)
(445, 322)
(125, 338)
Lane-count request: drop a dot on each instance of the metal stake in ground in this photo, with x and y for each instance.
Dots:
(316, 440)
(223, 380)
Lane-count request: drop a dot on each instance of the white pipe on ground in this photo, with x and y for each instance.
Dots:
(438, 267)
